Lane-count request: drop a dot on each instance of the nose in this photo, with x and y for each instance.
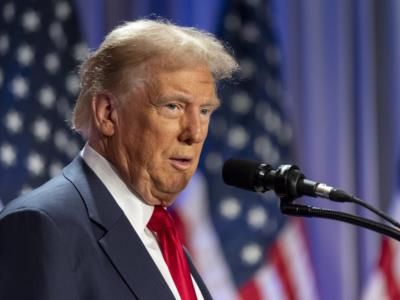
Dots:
(194, 130)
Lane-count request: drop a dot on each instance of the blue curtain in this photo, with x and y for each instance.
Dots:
(341, 66)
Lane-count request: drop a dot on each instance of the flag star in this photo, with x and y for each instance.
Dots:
(250, 32)
(55, 168)
(72, 149)
(35, 164)
(241, 102)
(273, 122)
(4, 44)
(286, 134)
(247, 67)
(25, 55)
(80, 51)
(47, 97)
(13, 122)
(257, 217)
(62, 10)
(251, 254)
(8, 155)
(41, 129)
(57, 34)
(263, 147)
(275, 157)
(52, 63)
(31, 21)
(60, 140)
(72, 84)
(230, 208)
(19, 87)
(9, 12)
(237, 137)
(25, 189)
(213, 162)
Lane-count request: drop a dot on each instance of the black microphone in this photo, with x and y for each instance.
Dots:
(287, 181)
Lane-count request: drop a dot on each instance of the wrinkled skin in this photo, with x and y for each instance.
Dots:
(154, 138)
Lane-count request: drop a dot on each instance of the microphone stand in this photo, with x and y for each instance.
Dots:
(291, 209)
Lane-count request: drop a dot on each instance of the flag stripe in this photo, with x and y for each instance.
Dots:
(250, 290)
(191, 207)
(386, 263)
(295, 252)
(384, 282)
(270, 283)
(278, 259)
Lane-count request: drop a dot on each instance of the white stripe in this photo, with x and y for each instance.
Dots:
(203, 243)
(269, 283)
(376, 288)
(295, 254)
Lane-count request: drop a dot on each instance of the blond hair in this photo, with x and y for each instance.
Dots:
(117, 65)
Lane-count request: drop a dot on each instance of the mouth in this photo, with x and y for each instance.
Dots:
(181, 163)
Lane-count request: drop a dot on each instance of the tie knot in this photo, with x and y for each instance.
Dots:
(160, 220)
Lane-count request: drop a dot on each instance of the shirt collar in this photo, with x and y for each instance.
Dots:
(137, 212)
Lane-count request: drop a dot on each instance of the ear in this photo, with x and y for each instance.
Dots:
(104, 113)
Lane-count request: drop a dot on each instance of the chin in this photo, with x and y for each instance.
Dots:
(171, 191)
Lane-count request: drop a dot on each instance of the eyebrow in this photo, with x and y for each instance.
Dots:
(183, 98)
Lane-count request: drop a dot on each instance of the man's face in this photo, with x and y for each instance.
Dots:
(159, 135)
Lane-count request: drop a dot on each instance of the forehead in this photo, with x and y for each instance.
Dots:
(195, 81)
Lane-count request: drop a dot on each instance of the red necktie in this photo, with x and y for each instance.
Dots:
(171, 247)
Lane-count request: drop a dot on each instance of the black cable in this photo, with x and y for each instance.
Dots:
(309, 211)
(375, 210)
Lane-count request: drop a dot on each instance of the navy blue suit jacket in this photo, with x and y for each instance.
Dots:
(69, 240)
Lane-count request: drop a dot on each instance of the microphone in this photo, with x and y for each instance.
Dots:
(287, 181)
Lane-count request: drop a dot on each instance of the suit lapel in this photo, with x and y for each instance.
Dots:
(140, 273)
(120, 241)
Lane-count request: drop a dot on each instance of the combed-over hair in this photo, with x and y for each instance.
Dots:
(118, 65)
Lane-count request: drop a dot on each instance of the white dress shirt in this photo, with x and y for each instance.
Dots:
(137, 212)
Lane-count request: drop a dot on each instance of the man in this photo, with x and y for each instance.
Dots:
(98, 230)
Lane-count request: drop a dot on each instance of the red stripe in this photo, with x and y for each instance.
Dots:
(276, 258)
(386, 262)
(250, 291)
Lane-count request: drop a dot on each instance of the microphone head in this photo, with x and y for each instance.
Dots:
(241, 173)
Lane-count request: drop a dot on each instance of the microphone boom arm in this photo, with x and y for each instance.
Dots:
(298, 210)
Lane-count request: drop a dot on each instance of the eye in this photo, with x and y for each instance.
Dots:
(172, 106)
(206, 111)
(171, 110)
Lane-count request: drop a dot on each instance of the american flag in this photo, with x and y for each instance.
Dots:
(384, 283)
(39, 47)
(241, 243)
